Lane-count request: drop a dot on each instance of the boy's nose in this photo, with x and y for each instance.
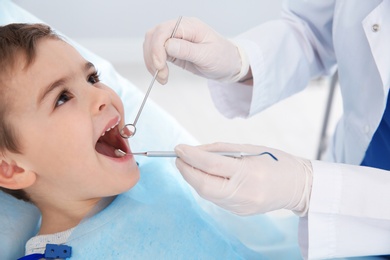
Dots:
(102, 106)
(100, 100)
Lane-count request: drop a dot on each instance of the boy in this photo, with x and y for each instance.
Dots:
(50, 91)
(58, 135)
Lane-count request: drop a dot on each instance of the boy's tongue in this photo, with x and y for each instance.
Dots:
(105, 149)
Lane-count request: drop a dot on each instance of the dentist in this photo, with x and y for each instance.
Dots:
(344, 203)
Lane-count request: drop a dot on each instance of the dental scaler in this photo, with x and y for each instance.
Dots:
(120, 153)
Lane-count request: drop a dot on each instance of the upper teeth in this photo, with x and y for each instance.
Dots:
(110, 128)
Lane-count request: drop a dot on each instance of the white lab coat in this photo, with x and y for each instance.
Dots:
(350, 205)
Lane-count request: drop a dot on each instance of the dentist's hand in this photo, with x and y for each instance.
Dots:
(195, 47)
(249, 185)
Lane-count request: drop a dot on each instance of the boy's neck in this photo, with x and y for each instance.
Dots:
(52, 225)
(58, 219)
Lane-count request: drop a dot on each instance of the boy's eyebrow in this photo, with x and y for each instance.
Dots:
(58, 83)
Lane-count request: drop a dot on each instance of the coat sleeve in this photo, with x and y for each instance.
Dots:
(284, 55)
(349, 213)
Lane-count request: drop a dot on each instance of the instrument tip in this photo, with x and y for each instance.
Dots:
(119, 153)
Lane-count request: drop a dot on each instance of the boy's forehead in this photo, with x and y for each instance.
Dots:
(53, 59)
(55, 49)
(49, 52)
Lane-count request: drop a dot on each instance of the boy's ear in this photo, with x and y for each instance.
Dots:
(14, 177)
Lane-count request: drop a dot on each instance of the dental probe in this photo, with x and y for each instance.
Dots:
(120, 153)
(132, 133)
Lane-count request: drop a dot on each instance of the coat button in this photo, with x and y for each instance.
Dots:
(375, 27)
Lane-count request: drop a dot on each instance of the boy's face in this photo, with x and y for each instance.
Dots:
(60, 111)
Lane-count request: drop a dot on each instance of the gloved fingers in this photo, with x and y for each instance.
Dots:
(155, 55)
(162, 76)
(195, 47)
(207, 162)
(155, 59)
(184, 54)
(193, 57)
(208, 186)
(224, 147)
(255, 184)
(178, 49)
(183, 50)
(241, 208)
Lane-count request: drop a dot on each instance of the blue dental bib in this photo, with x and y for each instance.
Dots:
(158, 218)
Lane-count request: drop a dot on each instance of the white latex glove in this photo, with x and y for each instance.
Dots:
(249, 185)
(195, 47)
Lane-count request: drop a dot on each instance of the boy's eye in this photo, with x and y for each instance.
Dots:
(93, 78)
(64, 97)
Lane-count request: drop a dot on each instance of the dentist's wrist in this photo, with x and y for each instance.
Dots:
(302, 207)
(244, 73)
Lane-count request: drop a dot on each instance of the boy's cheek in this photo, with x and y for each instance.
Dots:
(119, 104)
(115, 97)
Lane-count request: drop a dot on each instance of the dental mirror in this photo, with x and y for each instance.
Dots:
(129, 130)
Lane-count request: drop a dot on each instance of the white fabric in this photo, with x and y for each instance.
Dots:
(284, 55)
(349, 212)
(37, 244)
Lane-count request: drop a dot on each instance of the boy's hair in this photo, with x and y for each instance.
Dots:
(15, 40)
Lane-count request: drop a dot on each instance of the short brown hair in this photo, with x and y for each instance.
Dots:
(16, 39)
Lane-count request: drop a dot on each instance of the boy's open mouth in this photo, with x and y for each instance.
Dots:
(109, 142)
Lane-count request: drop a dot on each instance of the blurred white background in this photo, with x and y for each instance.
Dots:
(115, 30)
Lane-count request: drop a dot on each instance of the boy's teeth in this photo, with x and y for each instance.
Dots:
(110, 128)
(119, 153)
